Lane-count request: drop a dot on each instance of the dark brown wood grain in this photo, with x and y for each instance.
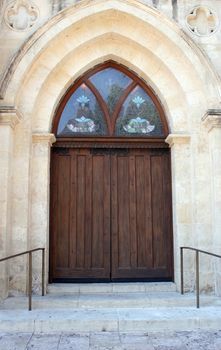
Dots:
(111, 215)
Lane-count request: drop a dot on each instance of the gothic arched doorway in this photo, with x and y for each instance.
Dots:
(111, 214)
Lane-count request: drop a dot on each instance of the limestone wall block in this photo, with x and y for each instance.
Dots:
(9, 117)
(184, 213)
(174, 71)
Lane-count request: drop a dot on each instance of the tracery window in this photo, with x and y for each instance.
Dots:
(110, 101)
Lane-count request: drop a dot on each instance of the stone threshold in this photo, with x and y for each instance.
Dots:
(131, 287)
(142, 300)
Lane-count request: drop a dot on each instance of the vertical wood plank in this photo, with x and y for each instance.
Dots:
(123, 211)
(158, 211)
(73, 210)
(133, 212)
(140, 201)
(98, 212)
(107, 218)
(53, 213)
(148, 224)
(80, 241)
(114, 217)
(63, 206)
(168, 229)
(88, 214)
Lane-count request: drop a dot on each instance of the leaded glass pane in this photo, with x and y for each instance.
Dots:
(82, 115)
(111, 84)
(139, 116)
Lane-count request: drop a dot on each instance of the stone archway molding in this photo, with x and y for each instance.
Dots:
(84, 35)
(89, 11)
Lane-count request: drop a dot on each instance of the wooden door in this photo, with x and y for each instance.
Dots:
(141, 215)
(80, 215)
(111, 215)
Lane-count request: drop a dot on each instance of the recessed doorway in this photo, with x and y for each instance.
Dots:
(111, 213)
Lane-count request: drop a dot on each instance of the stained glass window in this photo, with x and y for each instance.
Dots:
(111, 84)
(138, 116)
(82, 115)
(110, 102)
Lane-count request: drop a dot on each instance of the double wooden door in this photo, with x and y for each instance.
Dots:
(110, 215)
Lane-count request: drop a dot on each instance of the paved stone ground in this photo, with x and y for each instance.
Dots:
(202, 340)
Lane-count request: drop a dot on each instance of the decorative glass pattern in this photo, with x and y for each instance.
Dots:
(82, 115)
(110, 103)
(111, 84)
(138, 116)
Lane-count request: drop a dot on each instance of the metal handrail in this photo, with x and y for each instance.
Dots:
(197, 270)
(29, 252)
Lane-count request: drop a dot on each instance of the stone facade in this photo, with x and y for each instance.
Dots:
(174, 45)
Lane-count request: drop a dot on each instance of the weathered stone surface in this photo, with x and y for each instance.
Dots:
(15, 341)
(174, 61)
(43, 341)
(112, 341)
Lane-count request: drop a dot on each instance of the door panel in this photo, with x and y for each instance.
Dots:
(141, 226)
(111, 215)
(83, 239)
(158, 211)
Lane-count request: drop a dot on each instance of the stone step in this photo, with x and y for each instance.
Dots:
(86, 288)
(112, 320)
(112, 300)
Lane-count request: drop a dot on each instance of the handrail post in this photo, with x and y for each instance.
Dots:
(181, 270)
(29, 252)
(30, 281)
(43, 271)
(197, 281)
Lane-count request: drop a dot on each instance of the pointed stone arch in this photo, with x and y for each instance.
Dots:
(80, 37)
